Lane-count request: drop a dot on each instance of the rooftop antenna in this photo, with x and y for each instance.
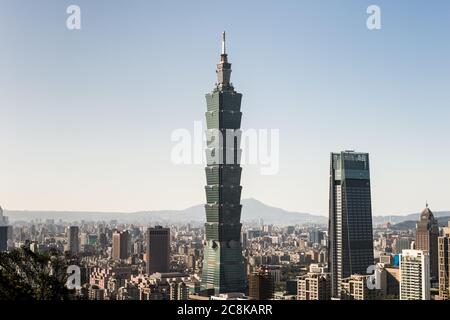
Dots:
(224, 49)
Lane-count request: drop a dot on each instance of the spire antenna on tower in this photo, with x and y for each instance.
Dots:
(224, 49)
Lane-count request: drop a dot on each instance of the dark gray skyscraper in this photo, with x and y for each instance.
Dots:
(158, 250)
(350, 222)
(3, 231)
(223, 265)
(3, 238)
(73, 242)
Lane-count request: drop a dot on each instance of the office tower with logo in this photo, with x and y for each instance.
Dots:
(157, 250)
(223, 265)
(350, 240)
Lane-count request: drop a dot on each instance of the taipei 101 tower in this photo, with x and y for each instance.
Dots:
(223, 265)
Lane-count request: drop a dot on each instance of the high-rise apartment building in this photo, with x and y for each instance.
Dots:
(355, 288)
(444, 263)
(178, 291)
(73, 241)
(350, 241)
(157, 250)
(427, 233)
(84, 239)
(414, 275)
(314, 286)
(223, 265)
(120, 242)
(261, 285)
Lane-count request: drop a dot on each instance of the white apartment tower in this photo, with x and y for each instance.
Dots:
(414, 275)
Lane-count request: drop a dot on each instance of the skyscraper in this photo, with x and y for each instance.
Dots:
(350, 240)
(261, 285)
(73, 241)
(414, 275)
(314, 286)
(157, 250)
(3, 219)
(427, 233)
(5, 231)
(3, 238)
(444, 263)
(120, 245)
(102, 240)
(223, 266)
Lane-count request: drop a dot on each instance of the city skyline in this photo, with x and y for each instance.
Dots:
(389, 83)
(97, 117)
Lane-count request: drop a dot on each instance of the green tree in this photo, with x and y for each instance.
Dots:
(25, 275)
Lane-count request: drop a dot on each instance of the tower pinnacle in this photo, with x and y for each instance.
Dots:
(224, 68)
(224, 49)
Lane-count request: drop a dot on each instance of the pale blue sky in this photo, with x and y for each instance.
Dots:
(86, 116)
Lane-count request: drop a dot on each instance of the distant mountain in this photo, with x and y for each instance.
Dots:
(411, 224)
(410, 217)
(252, 211)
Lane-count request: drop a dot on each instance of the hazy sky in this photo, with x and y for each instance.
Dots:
(87, 115)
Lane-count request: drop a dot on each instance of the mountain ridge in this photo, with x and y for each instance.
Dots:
(252, 211)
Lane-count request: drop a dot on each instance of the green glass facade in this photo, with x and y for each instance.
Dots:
(223, 265)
